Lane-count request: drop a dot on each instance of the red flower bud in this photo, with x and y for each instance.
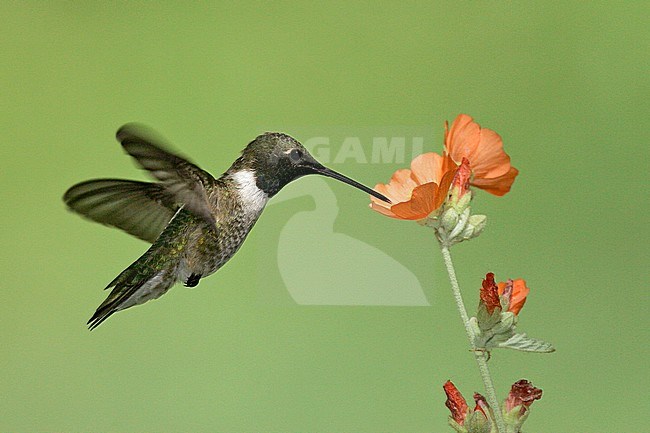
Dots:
(489, 293)
(523, 394)
(481, 405)
(455, 402)
(461, 179)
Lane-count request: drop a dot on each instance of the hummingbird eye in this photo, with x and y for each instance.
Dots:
(295, 155)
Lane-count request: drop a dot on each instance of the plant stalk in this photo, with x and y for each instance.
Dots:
(480, 355)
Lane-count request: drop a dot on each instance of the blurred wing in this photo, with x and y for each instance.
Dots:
(140, 208)
(183, 180)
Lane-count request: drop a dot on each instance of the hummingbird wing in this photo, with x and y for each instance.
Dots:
(142, 209)
(183, 180)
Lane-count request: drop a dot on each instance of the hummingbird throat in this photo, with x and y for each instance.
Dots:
(253, 197)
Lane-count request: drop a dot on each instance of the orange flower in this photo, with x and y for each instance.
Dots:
(516, 290)
(483, 148)
(418, 192)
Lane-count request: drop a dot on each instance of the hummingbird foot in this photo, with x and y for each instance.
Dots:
(193, 280)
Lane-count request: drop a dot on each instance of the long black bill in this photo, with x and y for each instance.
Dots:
(338, 176)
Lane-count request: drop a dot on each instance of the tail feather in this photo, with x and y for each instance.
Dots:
(99, 316)
(149, 277)
(113, 303)
(136, 285)
(126, 295)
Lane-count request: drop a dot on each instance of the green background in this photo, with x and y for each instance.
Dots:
(565, 84)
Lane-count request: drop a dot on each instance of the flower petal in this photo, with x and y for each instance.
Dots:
(382, 189)
(481, 404)
(382, 210)
(484, 149)
(445, 184)
(519, 293)
(491, 160)
(379, 205)
(518, 296)
(498, 185)
(421, 204)
(427, 168)
(400, 186)
(461, 140)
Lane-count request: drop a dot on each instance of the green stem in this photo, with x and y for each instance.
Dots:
(481, 356)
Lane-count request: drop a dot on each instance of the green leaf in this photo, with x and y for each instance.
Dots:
(527, 344)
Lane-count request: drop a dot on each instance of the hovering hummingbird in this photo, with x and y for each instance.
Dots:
(195, 222)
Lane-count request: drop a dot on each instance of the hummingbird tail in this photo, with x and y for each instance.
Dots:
(136, 285)
(152, 275)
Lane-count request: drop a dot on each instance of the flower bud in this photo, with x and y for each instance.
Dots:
(463, 419)
(516, 408)
(478, 423)
(478, 223)
(460, 199)
(449, 219)
(489, 293)
(460, 193)
(457, 224)
(457, 406)
(471, 231)
(454, 236)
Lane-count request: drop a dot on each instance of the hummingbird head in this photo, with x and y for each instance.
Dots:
(277, 159)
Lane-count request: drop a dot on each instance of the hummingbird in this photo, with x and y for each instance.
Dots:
(194, 222)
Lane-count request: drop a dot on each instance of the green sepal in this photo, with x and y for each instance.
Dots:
(463, 202)
(463, 218)
(514, 419)
(494, 328)
(449, 219)
(486, 320)
(478, 423)
(478, 221)
(456, 222)
(474, 227)
(508, 321)
(453, 424)
(505, 302)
